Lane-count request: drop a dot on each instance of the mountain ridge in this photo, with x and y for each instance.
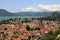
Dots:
(4, 12)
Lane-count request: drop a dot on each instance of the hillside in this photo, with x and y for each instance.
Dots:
(5, 13)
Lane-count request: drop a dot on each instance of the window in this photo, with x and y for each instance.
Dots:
(5, 28)
(11, 39)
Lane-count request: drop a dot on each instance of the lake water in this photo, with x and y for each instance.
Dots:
(8, 17)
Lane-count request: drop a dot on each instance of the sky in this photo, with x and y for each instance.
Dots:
(30, 5)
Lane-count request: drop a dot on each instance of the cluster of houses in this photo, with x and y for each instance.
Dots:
(31, 30)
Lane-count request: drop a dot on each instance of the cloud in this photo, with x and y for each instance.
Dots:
(49, 7)
(41, 7)
(29, 9)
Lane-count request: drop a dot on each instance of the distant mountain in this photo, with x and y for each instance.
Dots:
(6, 13)
(34, 13)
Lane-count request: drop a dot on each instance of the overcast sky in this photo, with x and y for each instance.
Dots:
(30, 5)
